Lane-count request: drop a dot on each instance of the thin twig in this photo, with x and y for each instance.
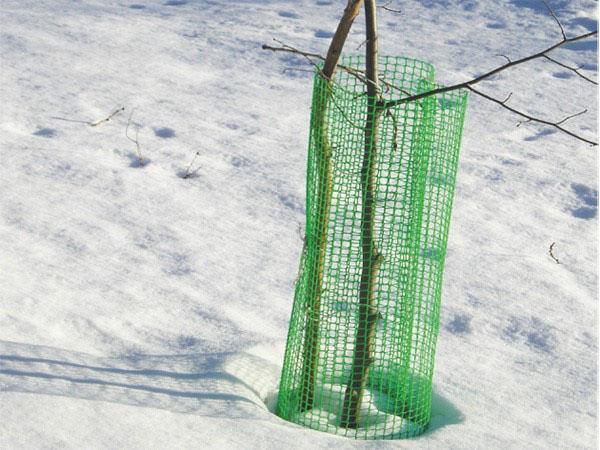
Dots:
(296, 69)
(551, 252)
(387, 8)
(357, 73)
(95, 124)
(342, 112)
(86, 122)
(564, 36)
(571, 116)
(534, 119)
(291, 49)
(505, 57)
(136, 140)
(562, 30)
(358, 47)
(188, 173)
(573, 69)
(465, 84)
(470, 83)
(389, 113)
(307, 55)
(507, 98)
(509, 64)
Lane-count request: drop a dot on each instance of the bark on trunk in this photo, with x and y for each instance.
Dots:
(323, 163)
(371, 258)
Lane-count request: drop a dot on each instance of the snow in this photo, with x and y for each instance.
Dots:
(139, 308)
(374, 422)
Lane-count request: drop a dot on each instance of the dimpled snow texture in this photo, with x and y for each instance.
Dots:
(377, 347)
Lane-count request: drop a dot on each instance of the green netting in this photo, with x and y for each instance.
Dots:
(360, 351)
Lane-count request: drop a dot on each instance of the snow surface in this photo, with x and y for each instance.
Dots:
(142, 309)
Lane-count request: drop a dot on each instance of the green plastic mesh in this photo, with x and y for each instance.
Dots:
(360, 351)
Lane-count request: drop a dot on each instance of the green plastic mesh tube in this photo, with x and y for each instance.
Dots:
(377, 347)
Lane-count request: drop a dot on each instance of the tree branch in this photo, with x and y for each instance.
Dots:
(189, 173)
(551, 253)
(107, 119)
(534, 119)
(322, 151)
(135, 140)
(562, 30)
(359, 74)
(467, 84)
(508, 60)
(339, 38)
(489, 74)
(371, 257)
(387, 8)
(573, 69)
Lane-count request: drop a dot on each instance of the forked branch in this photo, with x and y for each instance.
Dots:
(530, 118)
(469, 84)
(575, 70)
(485, 76)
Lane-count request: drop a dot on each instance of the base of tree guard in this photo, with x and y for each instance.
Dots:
(361, 345)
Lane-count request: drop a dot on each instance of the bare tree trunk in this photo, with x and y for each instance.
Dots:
(339, 38)
(324, 184)
(371, 258)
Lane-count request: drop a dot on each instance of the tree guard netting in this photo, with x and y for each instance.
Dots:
(360, 351)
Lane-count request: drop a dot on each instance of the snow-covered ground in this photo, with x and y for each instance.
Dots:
(142, 309)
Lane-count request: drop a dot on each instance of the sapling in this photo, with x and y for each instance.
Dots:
(378, 109)
(371, 258)
(324, 176)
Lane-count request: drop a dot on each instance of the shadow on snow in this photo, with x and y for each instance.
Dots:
(229, 384)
